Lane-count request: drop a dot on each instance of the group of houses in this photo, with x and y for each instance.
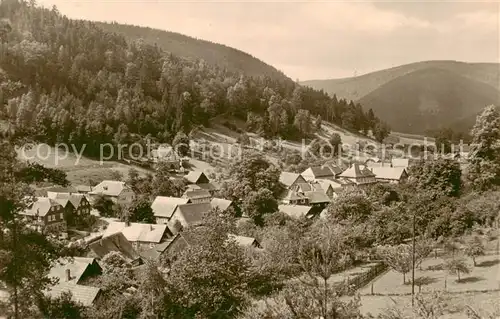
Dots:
(309, 192)
(306, 194)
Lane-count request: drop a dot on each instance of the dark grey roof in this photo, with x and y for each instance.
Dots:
(116, 242)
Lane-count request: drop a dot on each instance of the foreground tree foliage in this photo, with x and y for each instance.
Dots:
(399, 258)
(63, 307)
(26, 255)
(323, 252)
(439, 177)
(484, 168)
(210, 277)
(457, 266)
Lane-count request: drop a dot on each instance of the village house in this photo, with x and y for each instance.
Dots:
(46, 215)
(225, 206)
(317, 199)
(163, 207)
(117, 191)
(83, 189)
(210, 187)
(322, 172)
(400, 162)
(115, 243)
(290, 179)
(74, 205)
(141, 236)
(307, 187)
(293, 197)
(359, 174)
(245, 242)
(168, 156)
(198, 180)
(86, 295)
(196, 177)
(331, 188)
(75, 269)
(70, 275)
(171, 249)
(296, 211)
(394, 175)
(377, 162)
(197, 196)
(188, 215)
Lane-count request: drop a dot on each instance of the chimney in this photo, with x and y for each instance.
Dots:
(68, 275)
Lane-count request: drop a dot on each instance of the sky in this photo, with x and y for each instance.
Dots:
(318, 39)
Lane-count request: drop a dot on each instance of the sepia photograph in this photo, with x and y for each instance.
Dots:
(249, 159)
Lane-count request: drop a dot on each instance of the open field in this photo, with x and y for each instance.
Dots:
(406, 138)
(78, 170)
(484, 302)
(482, 277)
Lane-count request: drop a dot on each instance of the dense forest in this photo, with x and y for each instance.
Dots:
(63, 80)
(181, 45)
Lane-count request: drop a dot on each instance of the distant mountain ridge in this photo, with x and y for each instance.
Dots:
(422, 96)
(182, 45)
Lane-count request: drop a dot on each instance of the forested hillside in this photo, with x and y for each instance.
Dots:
(431, 98)
(357, 87)
(70, 81)
(213, 53)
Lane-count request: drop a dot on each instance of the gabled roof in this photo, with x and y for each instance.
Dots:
(317, 197)
(194, 176)
(76, 265)
(151, 233)
(115, 242)
(64, 198)
(305, 187)
(193, 213)
(61, 189)
(288, 178)
(165, 152)
(319, 172)
(325, 183)
(400, 162)
(357, 171)
(83, 188)
(220, 203)
(392, 173)
(295, 211)
(294, 195)
(244, 241)
(336, 169)
(41, 206)
(196, 194)
(164, 206)
(82, 294)
(109, 188)
(158, 249)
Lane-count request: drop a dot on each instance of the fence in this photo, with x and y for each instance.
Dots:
(361, 279)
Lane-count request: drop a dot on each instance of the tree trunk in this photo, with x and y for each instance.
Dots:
(458, 275)
(16, 298)
(325, 300)
(474, 260)
(404, 278)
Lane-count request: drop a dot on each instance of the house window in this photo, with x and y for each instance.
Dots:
(61, 216)
(151, 245)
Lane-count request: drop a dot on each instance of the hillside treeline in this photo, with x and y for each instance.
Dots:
(63, 80)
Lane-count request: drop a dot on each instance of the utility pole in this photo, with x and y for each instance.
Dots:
(413, 265)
